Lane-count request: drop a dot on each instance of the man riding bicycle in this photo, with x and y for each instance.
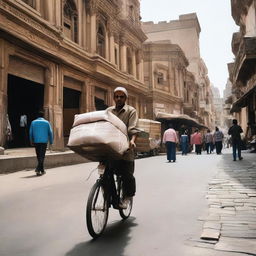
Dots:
(129, 116)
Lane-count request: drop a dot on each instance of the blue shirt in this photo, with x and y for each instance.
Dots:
(41, 131)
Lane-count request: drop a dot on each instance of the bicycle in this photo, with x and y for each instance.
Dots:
(106, 192)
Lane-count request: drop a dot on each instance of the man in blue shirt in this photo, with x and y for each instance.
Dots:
(40, 133)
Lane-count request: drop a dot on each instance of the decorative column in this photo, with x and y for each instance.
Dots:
(123, 57)
(140, 67)
(80, 8)
(107, 46)
(84, 26)
(49, 10)
(92, 9)
(58, 13)
(37, 7)
(112, 48)
(56, 106)
(93, 35)
(134, 64)
(89, 95)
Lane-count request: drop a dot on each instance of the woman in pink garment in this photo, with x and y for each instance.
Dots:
(197, 140)
(170, 139)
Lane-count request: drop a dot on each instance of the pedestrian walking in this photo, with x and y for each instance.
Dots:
(196, 140)
(24, 130)
(218, 139)
(170, 139)
(235, 131)
(8, 133)
(40, 133)
(184, 142)
(208, 142)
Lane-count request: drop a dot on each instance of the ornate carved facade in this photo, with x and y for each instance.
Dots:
(185, 32)
(66, 57)
(165, 75)
(243, 71)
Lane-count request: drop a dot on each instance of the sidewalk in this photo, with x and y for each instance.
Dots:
(230, 223)
(25, 158)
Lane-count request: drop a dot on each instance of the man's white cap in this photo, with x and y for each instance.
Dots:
(121, 89)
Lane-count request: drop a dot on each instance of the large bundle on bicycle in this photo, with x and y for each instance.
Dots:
(98, 136)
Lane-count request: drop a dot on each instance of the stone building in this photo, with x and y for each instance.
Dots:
(227, 99)
(165, 75)
(66, 57)
(218, 106)
(185, 32)
(242, 72)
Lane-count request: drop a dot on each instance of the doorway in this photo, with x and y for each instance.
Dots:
(25, 97)
(71, 107)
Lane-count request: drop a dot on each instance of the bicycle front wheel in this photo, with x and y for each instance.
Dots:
(125, 213)
(97, 210)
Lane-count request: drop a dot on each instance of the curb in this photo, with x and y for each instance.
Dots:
(18, 163)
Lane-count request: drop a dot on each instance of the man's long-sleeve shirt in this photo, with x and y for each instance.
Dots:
(129, 116)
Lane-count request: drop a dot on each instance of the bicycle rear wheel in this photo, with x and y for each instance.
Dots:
(125, 213)
(97, 210)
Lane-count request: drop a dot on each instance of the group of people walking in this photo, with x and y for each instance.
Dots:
(209, 141)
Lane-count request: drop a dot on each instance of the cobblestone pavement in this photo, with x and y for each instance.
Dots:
(230, 222)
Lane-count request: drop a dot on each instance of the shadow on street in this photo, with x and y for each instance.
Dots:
(30, 176)
(240, 170)
(113, 241)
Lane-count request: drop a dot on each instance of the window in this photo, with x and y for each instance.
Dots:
(30, 3)
(101, 41)
(116, 56)
(129, 61)
(70, 21)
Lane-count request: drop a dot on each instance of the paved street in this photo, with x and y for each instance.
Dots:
(207, 196)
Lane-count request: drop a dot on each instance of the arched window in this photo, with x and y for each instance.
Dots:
(101, 41)
(70, 21)
(31, 3)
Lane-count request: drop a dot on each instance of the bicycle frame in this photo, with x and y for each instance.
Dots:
(112, 187)
(106, 192)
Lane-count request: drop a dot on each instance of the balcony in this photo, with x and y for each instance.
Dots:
(245, 63)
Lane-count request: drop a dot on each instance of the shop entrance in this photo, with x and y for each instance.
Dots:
(25, 97)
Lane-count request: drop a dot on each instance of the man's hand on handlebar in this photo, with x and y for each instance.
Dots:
(132, 141)
(132, 144)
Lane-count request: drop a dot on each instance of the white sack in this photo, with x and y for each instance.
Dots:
(101, 139)
(101, 115)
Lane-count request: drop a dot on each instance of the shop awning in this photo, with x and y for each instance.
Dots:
(242, 101)
(181, 118)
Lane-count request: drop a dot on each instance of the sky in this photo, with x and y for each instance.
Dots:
(217, 28)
